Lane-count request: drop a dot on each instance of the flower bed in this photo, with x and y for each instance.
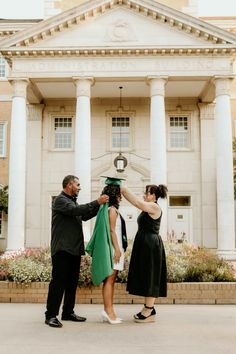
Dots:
(185, 263)
(195, 276)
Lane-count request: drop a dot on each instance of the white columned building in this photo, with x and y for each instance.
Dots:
(75, 62)
(224, 167)
(158, 163)
(82, 156)
(17, 167)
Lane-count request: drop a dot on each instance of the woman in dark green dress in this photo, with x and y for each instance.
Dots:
(147, 272)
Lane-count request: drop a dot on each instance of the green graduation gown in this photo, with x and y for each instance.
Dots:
(100, 247)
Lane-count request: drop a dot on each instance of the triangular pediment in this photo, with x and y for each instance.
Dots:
(120, 23)
(120, 26)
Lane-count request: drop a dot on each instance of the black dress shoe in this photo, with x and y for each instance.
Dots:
(73, 317)
(53, 322)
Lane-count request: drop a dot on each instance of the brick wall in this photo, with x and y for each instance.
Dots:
(178, 293)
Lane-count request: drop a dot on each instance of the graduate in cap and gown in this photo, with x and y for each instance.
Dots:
(107, 247)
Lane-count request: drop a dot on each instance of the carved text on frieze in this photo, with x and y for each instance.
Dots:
(130, 66)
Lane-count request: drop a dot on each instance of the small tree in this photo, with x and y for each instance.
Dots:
(4, 199)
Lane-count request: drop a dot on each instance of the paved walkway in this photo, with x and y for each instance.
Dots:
(179, 329)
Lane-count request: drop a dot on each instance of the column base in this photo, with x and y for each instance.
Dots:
(229, 255)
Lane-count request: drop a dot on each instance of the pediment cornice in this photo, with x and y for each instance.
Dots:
(25, 40)
(221, 50)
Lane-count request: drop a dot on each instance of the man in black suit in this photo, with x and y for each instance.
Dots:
(67, 246)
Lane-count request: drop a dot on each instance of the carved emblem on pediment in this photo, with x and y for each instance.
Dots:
(120, 31)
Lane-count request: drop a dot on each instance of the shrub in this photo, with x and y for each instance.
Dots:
(26, 270)
(27, 266)
(189, 263)
(85, 277)
(176, 268)
(205, 266)
(4, 199)
(4, 269)
(185, 262)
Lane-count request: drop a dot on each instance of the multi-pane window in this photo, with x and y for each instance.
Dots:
(2, 67)
(62, 132)
(2, 139)
(120, 132)
(179, 132)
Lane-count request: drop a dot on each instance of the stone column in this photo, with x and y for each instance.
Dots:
(158, 167)
(208, 175)
(17, 167)
(82, 157)
(34, 177)
(83, 137)
(224, 168)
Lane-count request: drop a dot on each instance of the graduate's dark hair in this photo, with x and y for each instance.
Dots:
(114, 193)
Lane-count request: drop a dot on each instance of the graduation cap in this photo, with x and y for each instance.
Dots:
(115, 181)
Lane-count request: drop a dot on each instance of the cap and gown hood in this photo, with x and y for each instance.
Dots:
(113, 180)
(100, 247)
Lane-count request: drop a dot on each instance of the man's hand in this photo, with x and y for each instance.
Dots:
(103, 199)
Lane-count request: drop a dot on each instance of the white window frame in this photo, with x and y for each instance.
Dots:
(189, 119)
(115, 114)
(53, 117)
(3, 153)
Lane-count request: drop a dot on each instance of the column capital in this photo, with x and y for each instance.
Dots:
(207, 110)
(222, 85)
(19, 86)
(83, 85)
(35, 111)
(157, 85)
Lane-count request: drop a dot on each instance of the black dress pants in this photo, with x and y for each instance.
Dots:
(65, 275)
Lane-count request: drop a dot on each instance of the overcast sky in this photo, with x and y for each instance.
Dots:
(34, 8)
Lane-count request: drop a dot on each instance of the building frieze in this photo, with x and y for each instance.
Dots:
(112, 66)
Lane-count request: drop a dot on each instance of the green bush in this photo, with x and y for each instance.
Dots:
(85, 277)
(4, 199)
(185, 263)
(26, 270)
(27, 266)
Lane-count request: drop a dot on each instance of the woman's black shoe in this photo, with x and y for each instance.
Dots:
(140, 318)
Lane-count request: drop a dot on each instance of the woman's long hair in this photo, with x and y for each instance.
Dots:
(114, 193)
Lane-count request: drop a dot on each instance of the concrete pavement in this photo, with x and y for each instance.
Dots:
(179, 329)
